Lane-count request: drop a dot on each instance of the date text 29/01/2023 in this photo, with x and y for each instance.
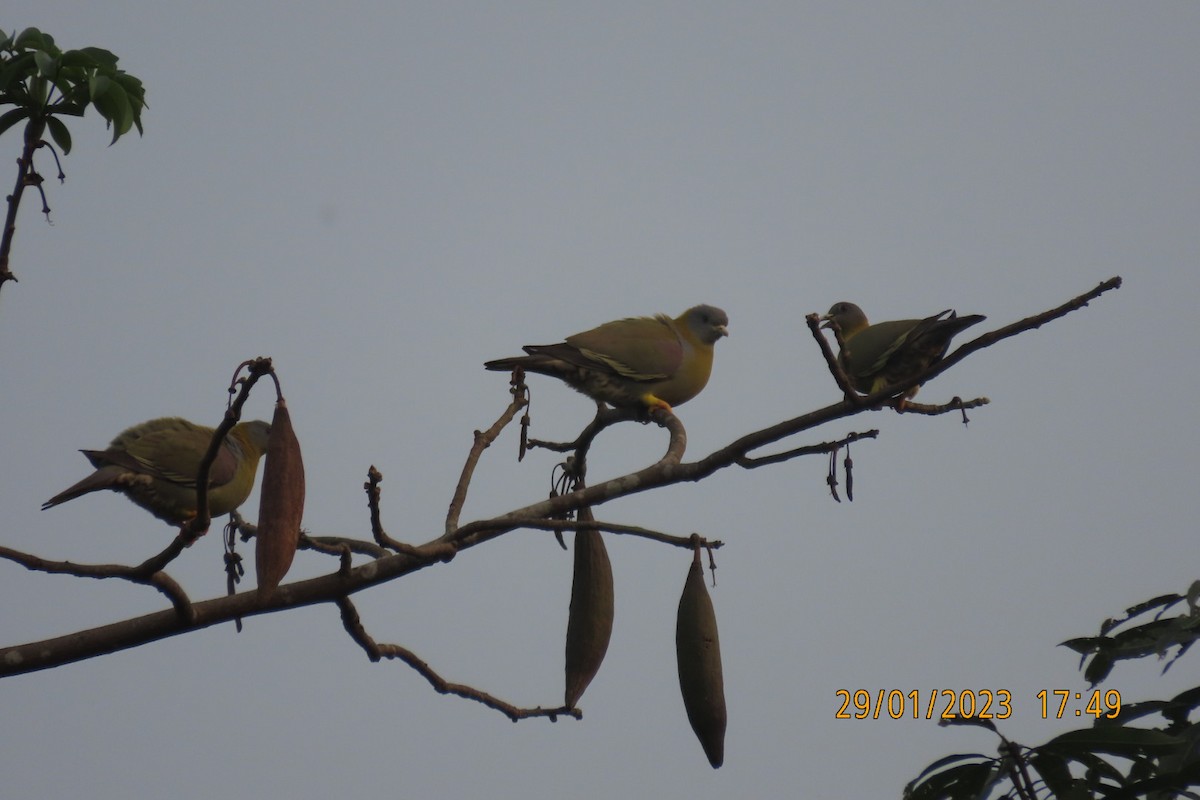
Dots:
(971, 703)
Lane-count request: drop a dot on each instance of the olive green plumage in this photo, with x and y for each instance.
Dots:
(639, 362)
(888, 353)
(155, 463)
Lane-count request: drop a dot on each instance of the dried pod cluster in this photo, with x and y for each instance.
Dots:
(698, 652)
(281, 506)
(589, 623)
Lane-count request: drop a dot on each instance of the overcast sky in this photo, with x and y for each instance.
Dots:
(382, 197)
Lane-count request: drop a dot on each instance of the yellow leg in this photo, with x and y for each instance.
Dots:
(653, 402)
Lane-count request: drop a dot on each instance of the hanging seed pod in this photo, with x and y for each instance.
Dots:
(698, 651)
(589, 623)
(281, 505)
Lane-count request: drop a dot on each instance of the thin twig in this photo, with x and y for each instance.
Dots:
(375, 651)
(144, 574)
(25, 177)
(824, 447)
(605, 417)
(955, 404)
(662, 472)
(608, 527)
(371, 487)
(198, 525)
(483, 440)
(831, 361)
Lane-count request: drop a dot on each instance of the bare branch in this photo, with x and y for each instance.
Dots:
(148, 573)
(670, 469)
(256, 368)
(371, 487)
(605, 417)
(25, 177)
(482, 441)
(375, 651)
(607, 527)
(327, 545)
(812, 449)
(832, 361)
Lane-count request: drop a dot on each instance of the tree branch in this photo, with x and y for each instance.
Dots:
(611, 527)
(812, 449)
(375, 651)
(669, 469)
(26, 176)
(483, 440)
(198, 525)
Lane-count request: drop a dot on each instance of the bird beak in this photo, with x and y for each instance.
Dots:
(828, 323)
(721, 329)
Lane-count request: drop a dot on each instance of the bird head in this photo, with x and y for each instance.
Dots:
(706, 323)
(253, 436)
(848, 317)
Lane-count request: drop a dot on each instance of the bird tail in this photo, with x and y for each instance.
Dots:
(97, 481)
(543, 363)
(957, 323)
(507, 364)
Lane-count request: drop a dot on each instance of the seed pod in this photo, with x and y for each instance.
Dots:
(589, 623)
(698, 651)
(281, 506)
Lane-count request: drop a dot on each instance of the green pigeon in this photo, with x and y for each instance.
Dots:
(639, 362)
(155, 463)
(887, 353)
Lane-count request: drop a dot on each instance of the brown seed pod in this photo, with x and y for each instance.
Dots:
(281, 506)
(698, 652)
(589, 623)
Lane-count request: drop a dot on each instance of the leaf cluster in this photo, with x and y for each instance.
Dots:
(1156, 743)
(1152, 762)
(44, 83)
(1155, 636)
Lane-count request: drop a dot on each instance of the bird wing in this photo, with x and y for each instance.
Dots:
(638, 348)
(874, 346)
(172, 455)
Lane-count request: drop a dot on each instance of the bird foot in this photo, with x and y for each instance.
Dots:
(653, 403)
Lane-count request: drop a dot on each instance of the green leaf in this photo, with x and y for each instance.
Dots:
(945, 761)
(1102, 664)
(113, 104)
(122, 118)
(17, 70)
(973, 721)
(79, 58)
(1118, 741)
(964, 782)
(1083, 645)
(10, 118)
(47, 64)
(59, 133)
(132, 86)
(31, 38)
(1098, 769)
(39, 91)
(100, 56)
(1187, 700)
(98, 87)
(1054, 772)
(1133, 711)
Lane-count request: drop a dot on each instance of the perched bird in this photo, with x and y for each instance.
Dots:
(887, 353)
(639, 362)
(155, 463)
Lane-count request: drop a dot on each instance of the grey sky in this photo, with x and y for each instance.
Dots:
(384, 196)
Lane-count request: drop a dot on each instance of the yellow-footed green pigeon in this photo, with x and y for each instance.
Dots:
(639, 362)
(155, 463)
(886, 353)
